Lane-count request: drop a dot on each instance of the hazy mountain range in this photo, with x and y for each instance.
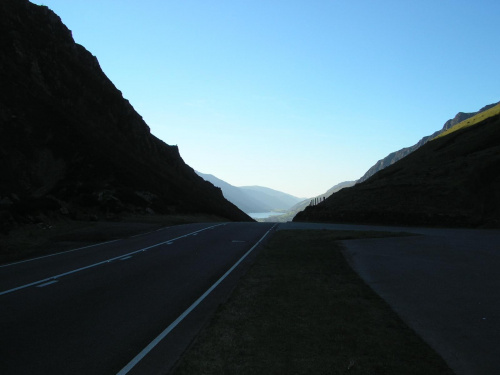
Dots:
(70, 144)
(253, 199)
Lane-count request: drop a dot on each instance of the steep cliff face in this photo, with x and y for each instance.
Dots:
(450, 181)
(70, 142)
(400, 154)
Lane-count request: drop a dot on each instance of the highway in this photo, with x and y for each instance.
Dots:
(122, 307)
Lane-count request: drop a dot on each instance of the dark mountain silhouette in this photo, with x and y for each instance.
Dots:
(398, 155)
(70, 143)
(385, 162)
(450, 181)
(253, 198)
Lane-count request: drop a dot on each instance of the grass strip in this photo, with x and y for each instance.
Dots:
(302, 310)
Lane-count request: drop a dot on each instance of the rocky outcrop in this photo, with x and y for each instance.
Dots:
(70, 142)
(400, 154)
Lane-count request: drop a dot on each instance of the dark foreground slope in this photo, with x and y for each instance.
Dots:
(450, 181)
(70, 143)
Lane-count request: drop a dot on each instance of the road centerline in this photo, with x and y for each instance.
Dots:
(101, 262)
(60, 253)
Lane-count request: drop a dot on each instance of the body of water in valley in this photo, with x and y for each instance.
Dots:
(263, 215)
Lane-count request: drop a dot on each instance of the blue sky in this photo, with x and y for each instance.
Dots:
(292, 95)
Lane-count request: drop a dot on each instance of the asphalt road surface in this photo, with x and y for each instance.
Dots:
(126, 306)
(444, 283)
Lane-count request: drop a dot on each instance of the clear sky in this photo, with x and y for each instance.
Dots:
(292, 95)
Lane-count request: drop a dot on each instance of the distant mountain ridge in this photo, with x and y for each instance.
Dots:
(253, 199)
(237, 196)
(273, 198)
(398, 155)
(70, 144)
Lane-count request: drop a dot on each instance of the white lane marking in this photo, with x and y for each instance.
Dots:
(47, 283)
(125, 258)
(146, 233)
(174, 324)
(63, 252)
(99, 263)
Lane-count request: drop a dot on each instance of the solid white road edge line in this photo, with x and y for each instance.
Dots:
(47, 283)
(102, 262)
(181, 317)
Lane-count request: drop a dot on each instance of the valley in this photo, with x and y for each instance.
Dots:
(118, 257)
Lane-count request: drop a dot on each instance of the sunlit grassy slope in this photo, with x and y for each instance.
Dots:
(472, 120)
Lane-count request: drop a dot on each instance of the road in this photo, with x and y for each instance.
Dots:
(98, 310)
(444, 283)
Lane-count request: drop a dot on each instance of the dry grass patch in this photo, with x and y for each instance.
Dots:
(302, 310)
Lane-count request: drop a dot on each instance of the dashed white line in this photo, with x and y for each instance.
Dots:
(60, 253)
(102, 262)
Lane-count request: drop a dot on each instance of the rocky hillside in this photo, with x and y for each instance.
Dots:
(70, 144)
(450, 181)
(398, 155)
